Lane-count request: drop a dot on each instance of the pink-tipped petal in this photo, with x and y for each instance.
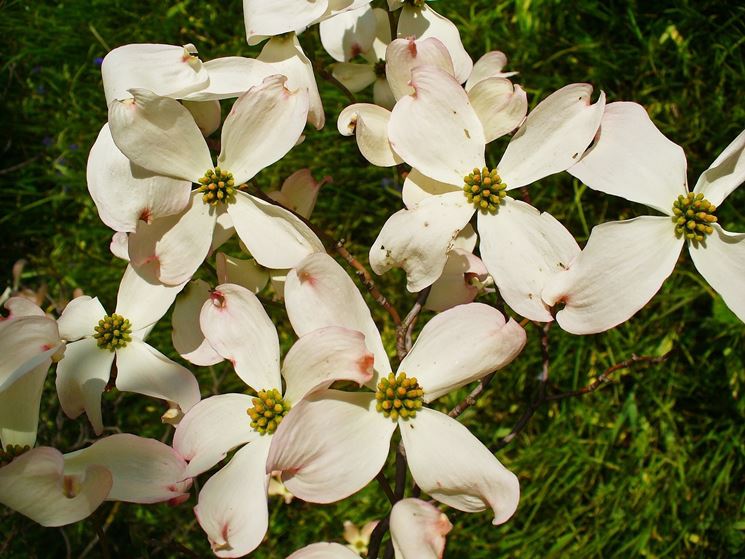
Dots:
(213, 428)
(25, 344)
(187, 335)
(721, 260)
(460, 345)
(454, 467)
(144, 370)
(232, 505)
(143, 470)
(725, 174)
(315, 459)
(418, 530)
(323, 356)
(553, 137)
(238, 328)
(622, 266)
(523, 249)
(263, 125)
(403, 55)
(275, 237)
(35, 485)
(632, 159)
(419, 239)
(435, 129)
(319, 293)
(369, 124)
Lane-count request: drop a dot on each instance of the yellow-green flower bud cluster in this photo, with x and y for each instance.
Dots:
(12, 451)
(398, 396)
(693, 216)
(217, 186)
(485, 189)
(268, 411)
(113, 332)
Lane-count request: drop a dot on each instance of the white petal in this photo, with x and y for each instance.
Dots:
(81, 379)
(273, 235)
(319, 293)
(25, 344)
(35, 485)
(369, 124)
(452, 465)
(246, 273)
(435, 129)
(144, 370)
(382, 35)
(340, 6)
(125, 193)
(143, 470)
(354, 76)
(159, 134)
(632, 159)
(187, 335)
(500, 106)
(287, 57)
(263, 125)
(213, 428)
(454, 287)
(424, 22)
(299, 192)
(383, 95)
(167, 70)
(346, 35)
(523, 248)
(488, 66)
(324, 550)
(622, 266)
(461, 345)
(553, 137)
(224, 230)
(266, 19)
(418, 530)
(80, 317)
(142, 299)
(403, 55)
(232, 76)
(119, 245)
(178, 243)
(207, 115)
(19, 407)
(419, 239)
(725, 174)
(315, 460)
(323, 356)
(722, 263)
(232, 505)
(238, 328)
(417, 187)
(20, 306)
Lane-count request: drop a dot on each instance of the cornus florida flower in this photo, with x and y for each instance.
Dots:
(55, 489)
(625, 262)
(159, 134)
(96, 338)
(438, 132)
(321, 464)
(232, 506)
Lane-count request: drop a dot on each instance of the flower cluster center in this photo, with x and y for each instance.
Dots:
(693, 216)
(12, 451)
(484, 189)
(113, 331)
(268, 410)
(399, 396)
(217, 186)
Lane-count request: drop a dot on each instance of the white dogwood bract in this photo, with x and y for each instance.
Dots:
(613, 278)
(418, 530)
(324, 550)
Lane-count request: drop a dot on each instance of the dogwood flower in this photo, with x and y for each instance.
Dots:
(438, 132)
(358, 538)
(96, 339)
(625, 262)
(232, 505)
(55, 489)
(158, 134)
(418, 530)
(456, 347)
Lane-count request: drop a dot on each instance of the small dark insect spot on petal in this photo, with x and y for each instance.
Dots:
(575, 155)
(468, 135)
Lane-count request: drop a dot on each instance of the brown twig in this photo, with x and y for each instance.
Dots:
(385, 486)
(329, 77)
(403, 332)
(472, 397)
(376, 537)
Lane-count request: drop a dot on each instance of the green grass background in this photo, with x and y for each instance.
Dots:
(651, 466)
